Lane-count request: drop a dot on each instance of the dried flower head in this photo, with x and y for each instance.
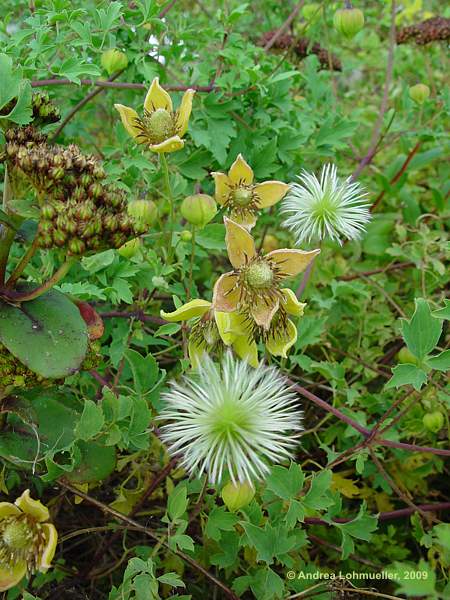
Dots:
(231, 419)
(328, 207)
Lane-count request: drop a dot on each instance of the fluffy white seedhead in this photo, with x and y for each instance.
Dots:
(327, 208)
(231, 418)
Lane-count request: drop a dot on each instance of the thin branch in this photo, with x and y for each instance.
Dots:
(394, 267)
(120, 85)
(279, 32)
(166, 9)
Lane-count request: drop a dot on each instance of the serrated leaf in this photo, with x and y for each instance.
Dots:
(407, 374)
(177, 502)
(219, 520)
(13, 87)
(91, 421)
(440, 362)
(318, 496)
(423, 331)
(269, 542)
(144, 369)
(285, 483)
(172, 579)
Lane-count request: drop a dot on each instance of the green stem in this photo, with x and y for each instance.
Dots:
(7, 236)
(54, 279)
(23, 263)
(166, 176)
(191, 265)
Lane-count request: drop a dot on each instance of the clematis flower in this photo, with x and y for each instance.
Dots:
(160, 128)
(27, 540)
(211, 331)
(231, 419)
(243, 198)
(254, 285)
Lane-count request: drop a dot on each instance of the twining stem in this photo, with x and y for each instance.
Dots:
(165, 172)
(191, 265)
(54, 279)
(23, 263)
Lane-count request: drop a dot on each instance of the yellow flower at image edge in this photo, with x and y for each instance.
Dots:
(160, 128)
(243, 198)
(212, 329)
(27, 540)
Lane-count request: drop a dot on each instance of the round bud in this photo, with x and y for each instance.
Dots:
(348, 21)
(419, 93)
(198, 209)
(312, 11)
(405, 356)
(114, 60)
(143, 213)
(433, 421)
(76, 246)
(270, 243)
(236, 496)
(186, 236)
(130, 249)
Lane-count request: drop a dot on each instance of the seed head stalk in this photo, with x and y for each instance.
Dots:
(166, 176)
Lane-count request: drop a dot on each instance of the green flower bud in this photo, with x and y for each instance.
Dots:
(237, 496)
(419, 93)
(433, 421)
(143, 214)
(198, 209)
(76, 246)
(130, 249)
(47, 211)
(348, 21)
(405, 356)
(186, 236)
(312, 11)
(114, 60)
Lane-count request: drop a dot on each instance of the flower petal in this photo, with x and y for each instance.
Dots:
(222, 182)
(194, 308)
(129, 116)
(240, 244)
(226, 294)
(240, 171)
(6, 509)
(245, 347)
(196, 350)
(51, 539)
(11, 577)
(270, 192)
(292, 262)
(291, 304)
(172, 144)
(263, 313)
(248, 221)
(223, 325)
(279, 343)
(35, 508)
(184, 112)
(157, 97)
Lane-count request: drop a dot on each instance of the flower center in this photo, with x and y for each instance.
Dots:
(160, 124)
(242, 196)
(259, 275)
(17, 535)
(230, 419)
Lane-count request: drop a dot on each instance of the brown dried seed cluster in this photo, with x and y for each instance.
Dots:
(79, 212)
(303, 47)
(432, 30)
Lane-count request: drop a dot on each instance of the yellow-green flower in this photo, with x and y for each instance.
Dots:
(27, 540)
(211, 331)
(160, 128)
(243, 198)
(254, 285)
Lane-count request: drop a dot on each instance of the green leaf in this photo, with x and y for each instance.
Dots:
(361, 528)
(443, 313)
(219, 520)
(440, 362)
(145, 370)
(14, 87)
(407, 374)
(423, 331)
(414, 580)
(91, 421)
(285, 483)
(95, 463)
(269, 542)
(177, 502)
(318, 496)
(47, 334)
(211, 237)
(172, 579)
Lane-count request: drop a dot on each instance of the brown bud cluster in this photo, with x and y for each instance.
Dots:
(44, 111)
(303, 47)
(432, 30)
(79, 211)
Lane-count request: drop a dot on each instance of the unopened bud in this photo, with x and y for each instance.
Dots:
(419, 93)
(130, 249)
(143, 214)
(433, 421)
(186, 236)
(348, 21)
(114, 60)
(237, 496)
(198, 209)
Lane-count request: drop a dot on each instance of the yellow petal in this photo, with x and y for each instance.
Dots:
(222, 182)
(11, 577)
(249, 221)
(270, 192)
(246, 349)
(35, 508)
(225, 295)
(157, 97)
(196, 350)
(240, 244)
(194, 308)
(6, 509)
(223, 325)
(263, 313)
(292, 262)
(240, 171)
(184, 112)
(172, 144)
(129, 116)
(291, 304)
(51, 539)
(240, 324)
(278, 344)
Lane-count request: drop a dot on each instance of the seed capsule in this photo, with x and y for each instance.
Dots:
(348, 21)
(419, 93)
(198, 209)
